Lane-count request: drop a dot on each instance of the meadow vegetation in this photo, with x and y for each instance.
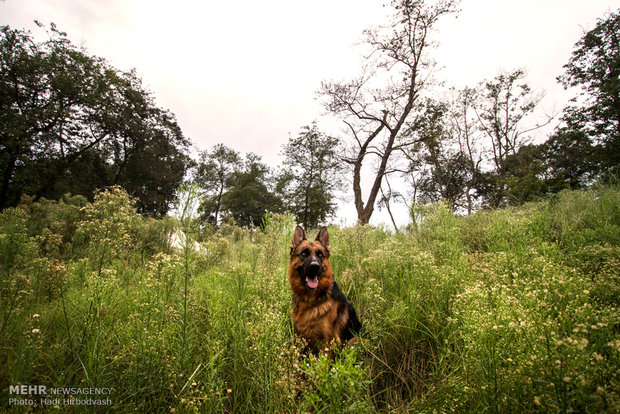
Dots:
(502, 311)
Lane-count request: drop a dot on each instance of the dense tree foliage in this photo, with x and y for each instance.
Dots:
(235, 187)
(245, 189)
(570, 160)
(250, 193)
(311, 176)
(70, 122)
(594, 67)
(213, 173)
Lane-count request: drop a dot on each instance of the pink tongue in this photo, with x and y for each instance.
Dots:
(312, 283)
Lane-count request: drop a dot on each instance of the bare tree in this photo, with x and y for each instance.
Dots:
(376, 106)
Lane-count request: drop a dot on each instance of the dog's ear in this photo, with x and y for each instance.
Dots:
(323, 237)
(298, 237)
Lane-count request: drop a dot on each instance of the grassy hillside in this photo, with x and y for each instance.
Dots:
(503, 311)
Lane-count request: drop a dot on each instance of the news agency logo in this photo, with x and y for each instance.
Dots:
(28, 389)
(45, 390)
(39, 395)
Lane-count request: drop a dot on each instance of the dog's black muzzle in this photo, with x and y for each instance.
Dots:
(311, 271)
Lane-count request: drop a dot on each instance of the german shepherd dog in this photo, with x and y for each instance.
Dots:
(321, 312)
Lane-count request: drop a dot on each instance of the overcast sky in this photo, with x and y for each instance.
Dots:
(245, 73)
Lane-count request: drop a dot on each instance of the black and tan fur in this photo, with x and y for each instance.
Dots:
(321, 312)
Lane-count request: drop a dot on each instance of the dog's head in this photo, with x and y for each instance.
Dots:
(309, 260)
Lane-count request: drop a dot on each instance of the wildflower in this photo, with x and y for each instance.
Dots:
(36, 315)
(566, 379)
(35, 331)
(229, 391)
(583, 343)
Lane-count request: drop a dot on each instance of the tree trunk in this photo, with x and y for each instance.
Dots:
(219, 203)
(363, 216)
(357, 189)
(387, 205)
(374, 191)
(6, 179)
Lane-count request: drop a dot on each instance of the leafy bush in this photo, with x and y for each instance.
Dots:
(110, 225)
(54, 223)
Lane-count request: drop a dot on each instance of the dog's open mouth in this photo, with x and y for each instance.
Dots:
(312, 283)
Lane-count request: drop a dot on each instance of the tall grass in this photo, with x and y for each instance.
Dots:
(503, 311)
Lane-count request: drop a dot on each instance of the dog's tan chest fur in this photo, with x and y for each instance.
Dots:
(316, 323)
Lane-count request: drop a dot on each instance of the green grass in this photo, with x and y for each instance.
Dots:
(503, 311)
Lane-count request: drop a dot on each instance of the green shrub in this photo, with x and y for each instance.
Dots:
(110, 226)
(54, 223)
(338, 385)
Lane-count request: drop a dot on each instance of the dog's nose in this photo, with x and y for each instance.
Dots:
(314, 267)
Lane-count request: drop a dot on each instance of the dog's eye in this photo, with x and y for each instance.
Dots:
(320, 254)
(305, 252)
